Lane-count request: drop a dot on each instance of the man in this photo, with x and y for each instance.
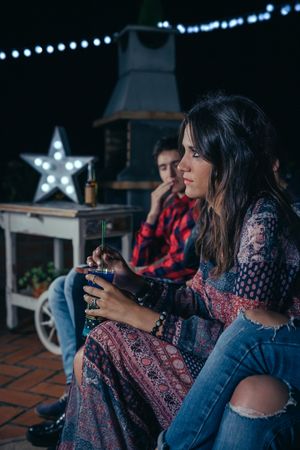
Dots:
(158, 252)
(161, 238)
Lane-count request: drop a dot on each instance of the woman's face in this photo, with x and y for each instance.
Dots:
(195, 170)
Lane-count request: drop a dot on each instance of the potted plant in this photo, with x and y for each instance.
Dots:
(37, 279)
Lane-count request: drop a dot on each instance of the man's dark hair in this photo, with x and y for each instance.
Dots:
(163, 144)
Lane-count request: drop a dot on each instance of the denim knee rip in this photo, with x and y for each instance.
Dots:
(290, 324)
(254, 414)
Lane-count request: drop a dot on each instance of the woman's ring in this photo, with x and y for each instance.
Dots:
(93, 280)
(93, 303)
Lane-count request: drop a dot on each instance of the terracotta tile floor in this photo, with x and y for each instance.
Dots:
(29, 375)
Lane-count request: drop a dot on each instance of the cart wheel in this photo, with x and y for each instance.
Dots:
(45, 325)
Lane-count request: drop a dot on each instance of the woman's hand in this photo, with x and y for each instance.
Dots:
(124, 277)
(113, 304)
(112, 259)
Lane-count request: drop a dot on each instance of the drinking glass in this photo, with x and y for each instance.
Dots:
(91, 321)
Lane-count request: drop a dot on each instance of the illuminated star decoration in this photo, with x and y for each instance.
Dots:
(57, 169)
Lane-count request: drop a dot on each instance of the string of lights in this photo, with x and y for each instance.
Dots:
(49, 49)
(229, 23)
(245, 19)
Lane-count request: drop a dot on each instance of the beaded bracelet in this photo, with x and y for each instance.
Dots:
(158, 323)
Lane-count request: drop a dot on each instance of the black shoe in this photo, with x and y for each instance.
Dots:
(46, 434)
(52, 411)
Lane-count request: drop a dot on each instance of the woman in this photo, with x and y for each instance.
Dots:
(136, 368)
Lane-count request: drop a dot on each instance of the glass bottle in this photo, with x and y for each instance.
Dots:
(90, 190)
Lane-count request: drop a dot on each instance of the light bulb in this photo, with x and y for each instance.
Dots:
(69, 189)
(181, 28)
(252, 18)
(64, 180)
(57, 145)
(78, 164)
(57, 156)
(38, 162)
(286, 9)
(69, 165)
(45, 187)
(49, 49)
(51, 179)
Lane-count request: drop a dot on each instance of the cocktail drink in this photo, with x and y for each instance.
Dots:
(91, 321)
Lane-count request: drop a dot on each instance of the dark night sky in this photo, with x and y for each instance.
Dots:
(72, 89)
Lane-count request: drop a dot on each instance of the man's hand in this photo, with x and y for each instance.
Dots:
(156, 198)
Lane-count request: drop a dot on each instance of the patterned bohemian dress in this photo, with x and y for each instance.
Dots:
(134, 383)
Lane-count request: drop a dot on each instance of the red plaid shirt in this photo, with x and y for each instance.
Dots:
(160, 246)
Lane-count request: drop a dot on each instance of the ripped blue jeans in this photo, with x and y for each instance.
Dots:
(206, 420)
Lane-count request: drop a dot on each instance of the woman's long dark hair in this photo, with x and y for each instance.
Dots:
(236, 137)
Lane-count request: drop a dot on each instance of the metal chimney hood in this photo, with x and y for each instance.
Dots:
(147, 80)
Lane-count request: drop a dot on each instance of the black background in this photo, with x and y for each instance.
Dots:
(72, 88)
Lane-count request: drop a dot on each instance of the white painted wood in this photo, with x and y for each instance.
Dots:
(59, 221)
(58, 255)
(24, 301)
(10, 250)
(78, 242)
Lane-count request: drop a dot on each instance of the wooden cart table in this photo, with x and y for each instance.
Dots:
(58, 220)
